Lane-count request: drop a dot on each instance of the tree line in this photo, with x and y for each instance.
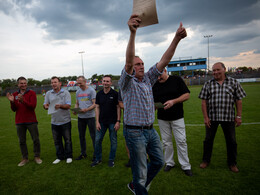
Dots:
(9, 83)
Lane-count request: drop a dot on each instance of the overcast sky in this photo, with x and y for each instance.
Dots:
(42, 38)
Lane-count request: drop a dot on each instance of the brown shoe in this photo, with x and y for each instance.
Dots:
(23, 162)
(204, 165)
(233, 168)
(38, 160)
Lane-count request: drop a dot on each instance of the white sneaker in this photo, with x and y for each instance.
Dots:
(56, 161)
(69, 160)
(148, 187)
(23, 162)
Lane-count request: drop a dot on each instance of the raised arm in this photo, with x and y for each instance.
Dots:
(167, 56)
(10, 97)
(133, 24)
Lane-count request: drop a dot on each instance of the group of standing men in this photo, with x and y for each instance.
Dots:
(139, 91)
(107, 115)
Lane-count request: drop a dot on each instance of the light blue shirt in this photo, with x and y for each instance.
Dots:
(62, 116)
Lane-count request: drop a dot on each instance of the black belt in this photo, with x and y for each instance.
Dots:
(138, 127)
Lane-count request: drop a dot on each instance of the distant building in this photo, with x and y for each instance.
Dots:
(189, 64)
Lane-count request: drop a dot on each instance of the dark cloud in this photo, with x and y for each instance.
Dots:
(84, 19)
(79, 19)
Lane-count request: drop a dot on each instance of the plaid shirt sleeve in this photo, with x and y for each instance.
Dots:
(124, 80)
(153, 74)
(204, 93)
(239, 93)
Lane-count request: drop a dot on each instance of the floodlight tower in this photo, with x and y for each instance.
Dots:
(208, 36)
(81, 52)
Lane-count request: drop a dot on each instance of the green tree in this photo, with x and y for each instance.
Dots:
(46, 82)
(7, 83)
(244, 68)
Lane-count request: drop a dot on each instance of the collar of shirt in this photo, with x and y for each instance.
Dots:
(61, 91)
(19, 91)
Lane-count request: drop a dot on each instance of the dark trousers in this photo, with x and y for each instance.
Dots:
(59, 131)
(82, 125)
(21, 132)
(230, 136)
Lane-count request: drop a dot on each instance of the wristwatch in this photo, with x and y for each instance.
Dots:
(118, 121)
(238, 117)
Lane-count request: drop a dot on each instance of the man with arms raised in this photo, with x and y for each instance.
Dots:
(136, 87)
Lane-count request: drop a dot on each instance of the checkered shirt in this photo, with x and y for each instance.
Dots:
(221, 98)
(138, 97)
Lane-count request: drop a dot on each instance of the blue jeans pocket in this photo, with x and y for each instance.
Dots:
(131, 133)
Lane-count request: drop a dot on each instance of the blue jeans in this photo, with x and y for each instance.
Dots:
(113, 141)
(59, 131)
(82, 125)
(140, 143)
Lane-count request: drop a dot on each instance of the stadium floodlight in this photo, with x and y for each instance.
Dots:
(208, 36)
(81, 52)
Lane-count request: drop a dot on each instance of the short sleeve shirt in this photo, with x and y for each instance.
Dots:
(85, 99)
(172, 88)
(221, 98)
(107, 106)
(62, 116)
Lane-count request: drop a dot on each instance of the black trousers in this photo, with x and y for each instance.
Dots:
(82, 125)
(230, 136)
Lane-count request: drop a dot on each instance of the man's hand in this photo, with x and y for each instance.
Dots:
(57, 106)
(117, 126)
(238, 121)
(83, 110)
(181, 32)
(46, 106)
(133, 23)
(98, 127)
(20, 97)
(10, 97)
(207, 122)
(168, 104)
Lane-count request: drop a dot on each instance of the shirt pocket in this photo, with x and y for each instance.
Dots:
(229, 91)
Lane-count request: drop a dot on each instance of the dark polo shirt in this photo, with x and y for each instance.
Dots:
(108, 106)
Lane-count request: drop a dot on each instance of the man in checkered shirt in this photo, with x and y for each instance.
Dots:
(219, 96)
